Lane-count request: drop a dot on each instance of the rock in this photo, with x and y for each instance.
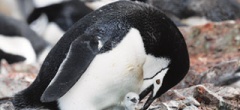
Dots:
(161, 106)
(205, 96)
(191, 101)
(191, 107)
(7, 106)
(202, 96)
(230, 80)
(15, 77)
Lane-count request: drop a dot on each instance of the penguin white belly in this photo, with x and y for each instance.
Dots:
(109, 77)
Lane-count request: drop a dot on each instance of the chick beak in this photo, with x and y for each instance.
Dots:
(134, 100)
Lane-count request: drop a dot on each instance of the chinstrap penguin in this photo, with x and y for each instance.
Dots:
(120, 48)
(206, 10)
(52, 20)
(18, 40)
(64, 14)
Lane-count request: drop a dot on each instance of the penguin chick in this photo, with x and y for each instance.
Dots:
(130, 102)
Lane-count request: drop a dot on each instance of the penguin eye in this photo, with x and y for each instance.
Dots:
(158, 81)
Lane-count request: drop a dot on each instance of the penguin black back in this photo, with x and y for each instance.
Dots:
(111, 23)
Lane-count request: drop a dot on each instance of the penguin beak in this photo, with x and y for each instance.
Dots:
(152, 85)
(148, 102)
(146, 92)
(151, 97)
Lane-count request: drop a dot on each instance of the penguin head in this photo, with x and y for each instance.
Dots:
(131, 100)
(162, 71)
(154, 70)
(167, 59)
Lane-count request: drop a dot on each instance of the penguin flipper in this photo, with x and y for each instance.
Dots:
(81, 53)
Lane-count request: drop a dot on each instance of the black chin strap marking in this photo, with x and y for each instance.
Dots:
(155, 74)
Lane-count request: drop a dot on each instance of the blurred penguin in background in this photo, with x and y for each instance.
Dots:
(52, 19)
(11, 8)
(64, 14)
(197, 12)
(95, 4)
(18, 42)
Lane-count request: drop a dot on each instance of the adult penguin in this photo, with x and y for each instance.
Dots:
(64, 14)
(120, 48)
(18, 42)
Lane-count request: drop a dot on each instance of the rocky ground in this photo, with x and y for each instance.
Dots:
(214, 50)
